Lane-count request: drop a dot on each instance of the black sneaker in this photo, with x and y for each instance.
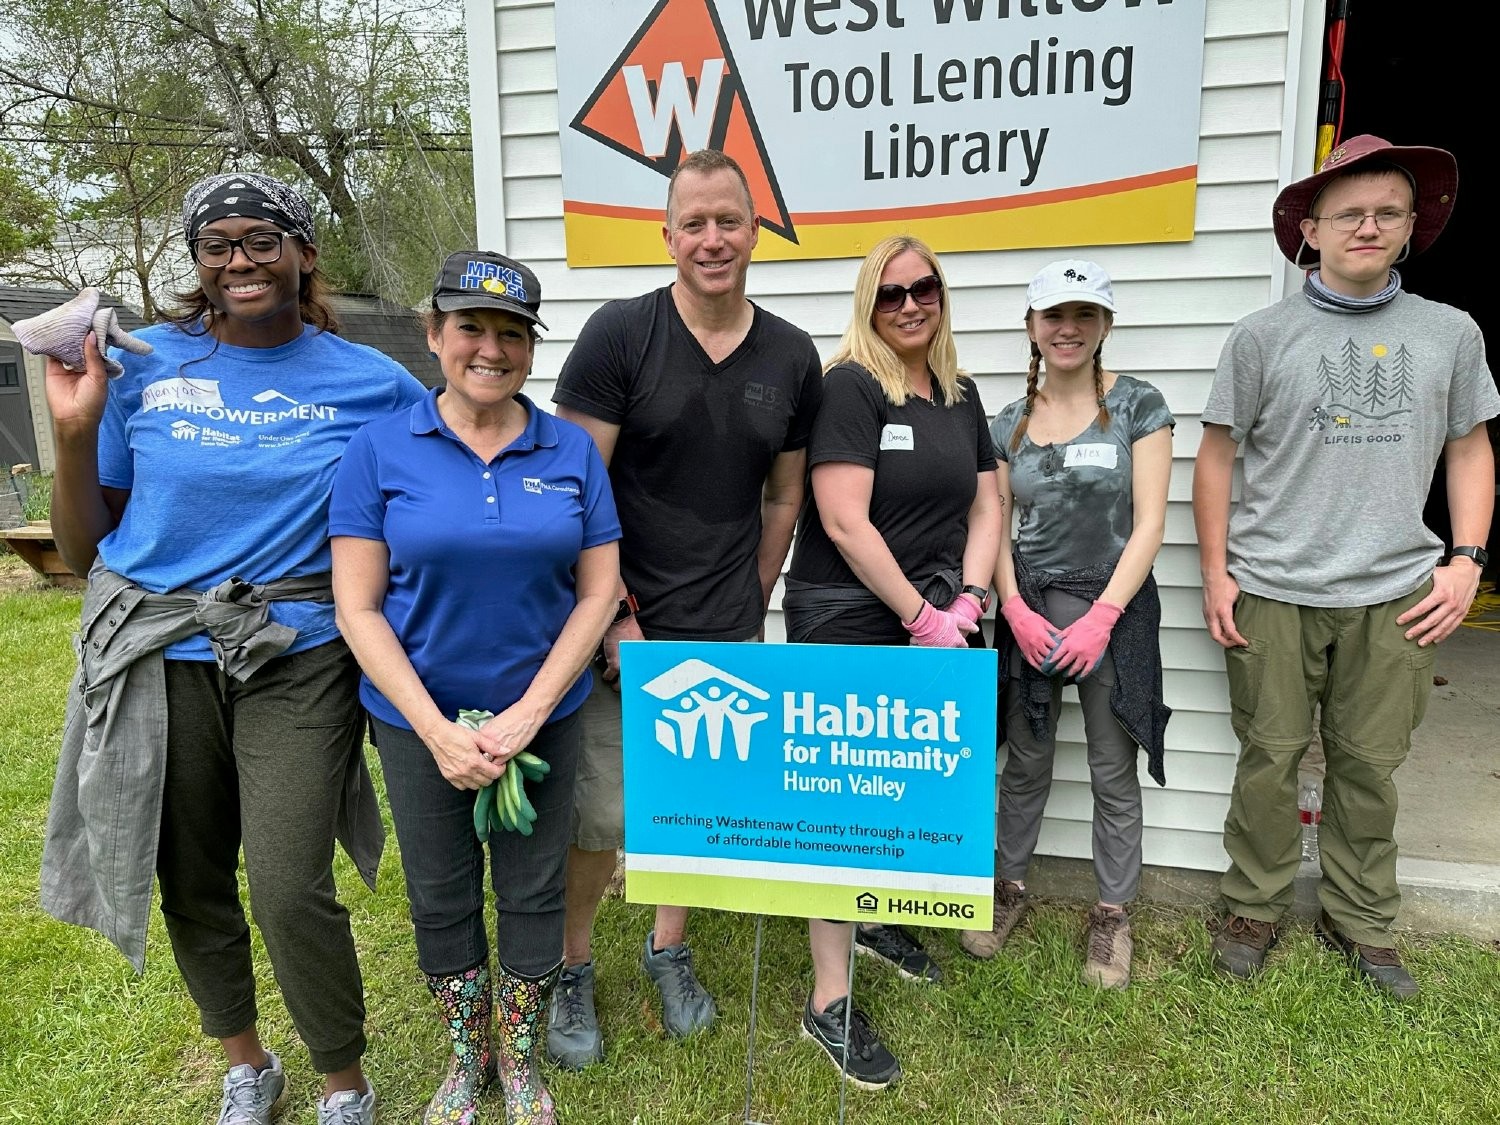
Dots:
(899, 949)
(869, 1065)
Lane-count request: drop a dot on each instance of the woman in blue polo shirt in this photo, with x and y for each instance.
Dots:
(475, 567)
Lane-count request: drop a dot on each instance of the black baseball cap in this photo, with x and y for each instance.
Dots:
(479, 279)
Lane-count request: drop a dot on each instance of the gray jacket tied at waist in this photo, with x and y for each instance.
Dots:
(104, 823)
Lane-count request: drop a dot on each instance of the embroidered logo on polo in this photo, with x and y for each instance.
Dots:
(1368, 394)
(537, 486)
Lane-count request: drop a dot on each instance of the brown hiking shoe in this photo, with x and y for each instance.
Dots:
(1378, 964)
(1240, 945)
(1010, 907)
(1107, 938)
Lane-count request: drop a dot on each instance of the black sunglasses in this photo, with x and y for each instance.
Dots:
(925, 291)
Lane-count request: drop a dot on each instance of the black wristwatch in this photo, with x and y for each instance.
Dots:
(1480, 556)
(981, 593)
(628, 607)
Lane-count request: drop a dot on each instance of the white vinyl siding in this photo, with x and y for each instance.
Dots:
(1177, 303)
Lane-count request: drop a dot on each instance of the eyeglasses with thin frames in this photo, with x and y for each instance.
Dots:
(925, 291)
(262, 248)
(1349, 221)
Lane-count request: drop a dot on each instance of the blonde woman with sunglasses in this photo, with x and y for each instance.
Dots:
(896, 546)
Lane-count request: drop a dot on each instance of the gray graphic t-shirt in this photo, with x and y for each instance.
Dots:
(1074, 498)
(1342, 417)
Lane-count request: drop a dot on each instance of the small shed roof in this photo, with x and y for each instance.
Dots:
(393, 329)
(18, 303)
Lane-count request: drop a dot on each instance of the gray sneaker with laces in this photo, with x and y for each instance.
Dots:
(348, 1107)
(573, 1037)
(253, 1097)
(686, 1006)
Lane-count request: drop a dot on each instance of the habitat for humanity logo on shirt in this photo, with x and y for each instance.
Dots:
(204, 399)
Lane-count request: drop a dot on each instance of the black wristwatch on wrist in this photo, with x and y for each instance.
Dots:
(627, 608)
(1480, 556)
(980, 593)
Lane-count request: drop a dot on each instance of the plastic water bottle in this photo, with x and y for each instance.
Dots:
(1310, 809)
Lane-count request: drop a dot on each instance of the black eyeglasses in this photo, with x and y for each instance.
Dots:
(925, 291)
(262, 248)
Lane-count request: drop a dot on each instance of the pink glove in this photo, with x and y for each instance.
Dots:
(967, 606)
(1035, 635)
(938, 628)
(1081, 645)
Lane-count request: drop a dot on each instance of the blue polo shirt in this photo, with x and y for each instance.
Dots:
(482, 553)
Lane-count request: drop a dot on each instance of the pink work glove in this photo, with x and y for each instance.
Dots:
(938, 628)
(967, 606)
(1035, 635)
(1081, 645)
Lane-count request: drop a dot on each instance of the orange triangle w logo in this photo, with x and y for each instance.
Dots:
(675, 89)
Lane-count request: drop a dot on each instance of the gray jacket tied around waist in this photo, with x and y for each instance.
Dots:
(104, 823)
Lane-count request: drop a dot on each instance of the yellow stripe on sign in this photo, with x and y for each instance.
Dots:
(943, 910)
(1161, 213)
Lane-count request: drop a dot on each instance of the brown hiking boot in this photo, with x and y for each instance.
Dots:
(1010, 907)
(1107, 939)
(1240, 945)
(1380, 965)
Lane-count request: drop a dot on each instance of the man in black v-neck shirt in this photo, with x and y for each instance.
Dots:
(701, 404)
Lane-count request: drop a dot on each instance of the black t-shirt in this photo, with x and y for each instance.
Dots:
(697, 440)
(926, 457)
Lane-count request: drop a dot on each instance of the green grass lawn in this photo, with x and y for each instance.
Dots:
(1019, 1039)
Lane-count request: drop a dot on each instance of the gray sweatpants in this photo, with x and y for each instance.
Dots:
(1026, 778)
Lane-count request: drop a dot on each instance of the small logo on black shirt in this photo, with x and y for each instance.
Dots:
(758, 394)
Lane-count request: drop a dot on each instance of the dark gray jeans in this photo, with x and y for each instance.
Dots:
(444, 860)
(261, 763)
(1026, 778)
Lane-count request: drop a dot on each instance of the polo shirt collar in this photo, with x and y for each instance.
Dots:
(540, 431)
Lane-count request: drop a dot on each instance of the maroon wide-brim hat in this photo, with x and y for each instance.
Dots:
(1433, 170)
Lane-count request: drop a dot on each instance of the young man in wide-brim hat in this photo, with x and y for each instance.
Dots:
(1323, 585)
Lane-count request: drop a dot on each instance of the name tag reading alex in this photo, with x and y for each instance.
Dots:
(897, 437)
(1100, 455)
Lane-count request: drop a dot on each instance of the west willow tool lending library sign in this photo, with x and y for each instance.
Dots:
(810, 781)
(976, 124)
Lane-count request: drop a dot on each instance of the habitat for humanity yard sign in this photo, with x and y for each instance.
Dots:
(976, 124)
(849, 782)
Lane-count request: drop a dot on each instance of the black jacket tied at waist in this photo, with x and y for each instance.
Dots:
(1134, 643)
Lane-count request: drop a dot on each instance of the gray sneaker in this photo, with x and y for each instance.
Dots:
(573, 1037)
(686, 1006)
(253, 1097)
(348, 1107)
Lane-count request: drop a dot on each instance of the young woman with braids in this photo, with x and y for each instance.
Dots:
(1085, 457)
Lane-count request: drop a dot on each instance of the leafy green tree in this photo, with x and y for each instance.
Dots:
(25, 215)
(361, 103)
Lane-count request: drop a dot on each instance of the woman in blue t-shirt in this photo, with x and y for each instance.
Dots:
(475, 567)
(1085, 457)
(199, 473)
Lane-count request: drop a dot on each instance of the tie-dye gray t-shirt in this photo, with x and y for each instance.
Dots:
(1074, 498)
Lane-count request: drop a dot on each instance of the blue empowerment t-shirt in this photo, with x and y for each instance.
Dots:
(481, 553)
(229, 454)
(1074, 499)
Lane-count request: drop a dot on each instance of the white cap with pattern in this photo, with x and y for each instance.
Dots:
(1072, 279)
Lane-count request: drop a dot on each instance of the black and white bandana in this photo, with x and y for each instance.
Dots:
(246, 195)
